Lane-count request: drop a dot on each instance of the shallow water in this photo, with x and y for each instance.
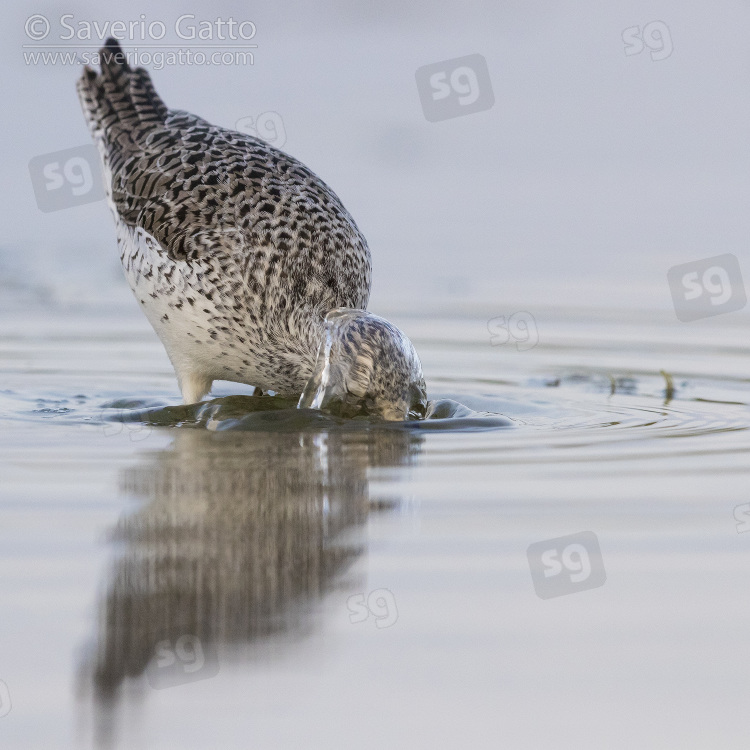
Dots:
(242, 573)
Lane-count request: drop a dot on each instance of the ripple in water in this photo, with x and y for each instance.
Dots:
(632, 407)
(277, 414)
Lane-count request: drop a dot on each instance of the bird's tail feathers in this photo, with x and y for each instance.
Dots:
(120, 104)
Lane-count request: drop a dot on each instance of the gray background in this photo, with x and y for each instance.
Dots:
(592, 175)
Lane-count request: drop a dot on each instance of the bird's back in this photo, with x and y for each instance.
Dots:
(219, 206)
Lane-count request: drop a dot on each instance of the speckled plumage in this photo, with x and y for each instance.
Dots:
(235, 250)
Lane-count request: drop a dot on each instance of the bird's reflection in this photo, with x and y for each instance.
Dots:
(236, 537)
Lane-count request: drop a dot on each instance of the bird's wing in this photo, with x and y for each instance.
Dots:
(199, 189)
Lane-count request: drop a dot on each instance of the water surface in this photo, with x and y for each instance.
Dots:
(321, 583)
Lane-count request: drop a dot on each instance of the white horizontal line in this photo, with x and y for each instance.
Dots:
(141, 46)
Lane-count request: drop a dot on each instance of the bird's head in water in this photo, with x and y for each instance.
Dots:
(365, 367)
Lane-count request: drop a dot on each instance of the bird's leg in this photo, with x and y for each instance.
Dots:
(193, 386)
